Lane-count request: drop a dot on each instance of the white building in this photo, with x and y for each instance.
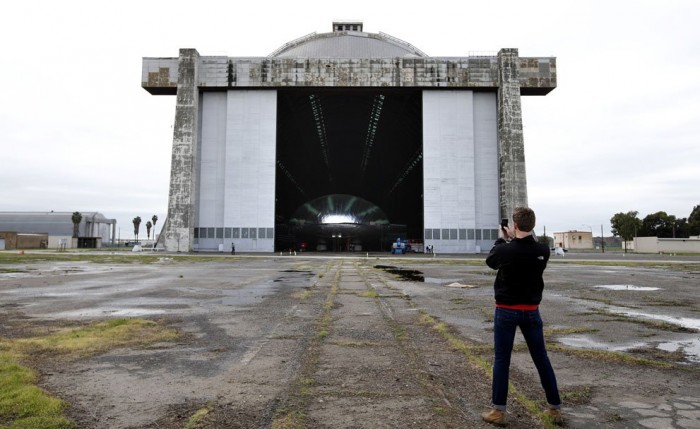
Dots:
(93, 230)
(666, 245)
(435, 143)
(572, 240)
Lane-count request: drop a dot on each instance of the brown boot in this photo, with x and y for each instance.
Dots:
(554, 415)
(495, 417)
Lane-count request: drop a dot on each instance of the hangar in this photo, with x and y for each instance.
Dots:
(55, 230)
(345, 140)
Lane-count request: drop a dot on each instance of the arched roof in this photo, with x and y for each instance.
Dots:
(53, 223)
(347, 44)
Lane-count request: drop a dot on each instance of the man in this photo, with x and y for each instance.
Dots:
(520, 261)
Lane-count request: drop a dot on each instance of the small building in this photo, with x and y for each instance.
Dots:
(27, 229)
(666, 245)
(573, 240)
(11, 240)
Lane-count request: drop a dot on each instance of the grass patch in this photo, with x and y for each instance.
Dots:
(609, 356)
(290, 420)
(324, 323)
(548, 332)
(577, 396)
(306, 386)
(369, 294)
(291, 414)
(435, 261)
(23, 405)
(607, 301)
(658, 302)
(355, 343)
(196, 418)
(12, 270)
(663, 326)
(654, 324)
(614, 417)
(136, 258)
(97, 338)
(303, 295)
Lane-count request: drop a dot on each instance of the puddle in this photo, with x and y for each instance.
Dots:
(249, 295)
(15, 275)
(101, 312)
(685, 322)
(690, 348)
(585, 342)
(407, 275)
(627, 287)
(417, 276)
(438, 280)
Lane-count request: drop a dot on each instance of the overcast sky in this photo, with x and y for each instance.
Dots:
(619, 133)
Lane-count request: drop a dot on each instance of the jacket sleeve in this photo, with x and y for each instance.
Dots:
(493, 259)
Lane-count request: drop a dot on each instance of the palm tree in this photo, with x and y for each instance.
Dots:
(76, 218)
(154, 219)
(137, 224)
(148, 230)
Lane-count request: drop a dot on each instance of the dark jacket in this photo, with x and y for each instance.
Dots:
(520, 264)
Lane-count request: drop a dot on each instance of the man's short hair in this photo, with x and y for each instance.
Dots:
(524, 217)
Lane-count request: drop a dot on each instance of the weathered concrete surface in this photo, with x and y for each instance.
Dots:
(349, 345)
(182, 202)
(538, 75)
(511, 146)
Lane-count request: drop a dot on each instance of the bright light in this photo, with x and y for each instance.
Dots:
(338, 218)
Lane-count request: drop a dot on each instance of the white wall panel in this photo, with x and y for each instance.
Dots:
(251, 148)
(486, 159)
(460, 169)
(212, 159)
(237, 172)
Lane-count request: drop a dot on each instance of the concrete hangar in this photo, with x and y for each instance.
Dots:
(345, 140)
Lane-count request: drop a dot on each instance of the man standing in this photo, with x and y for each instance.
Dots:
(520, 262)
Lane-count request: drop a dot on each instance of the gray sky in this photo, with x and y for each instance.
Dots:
(619, 133)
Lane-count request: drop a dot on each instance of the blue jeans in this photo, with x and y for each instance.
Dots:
(505, 323)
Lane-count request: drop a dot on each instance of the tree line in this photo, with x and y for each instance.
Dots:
(659, 224)
(137, 225)
(77, 217)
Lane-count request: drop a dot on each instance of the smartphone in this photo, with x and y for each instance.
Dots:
(504, 223)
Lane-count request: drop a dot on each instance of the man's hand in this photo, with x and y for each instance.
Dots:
(505, 233)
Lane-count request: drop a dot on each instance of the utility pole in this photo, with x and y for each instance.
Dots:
(602, 239)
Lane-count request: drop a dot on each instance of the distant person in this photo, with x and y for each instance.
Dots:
(520, 261)
(233, 249)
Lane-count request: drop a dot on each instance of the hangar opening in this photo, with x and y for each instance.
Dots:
(349, 168)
